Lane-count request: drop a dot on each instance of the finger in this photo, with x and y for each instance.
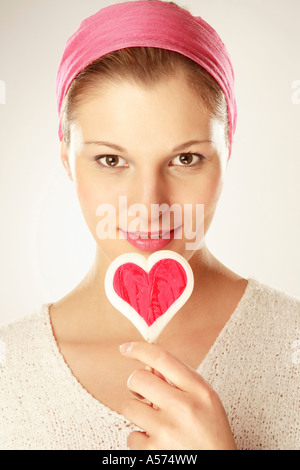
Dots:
(138, 440)
(137, 395)
(155, 372)
(152, 388)
(174, 370)
(141, 414)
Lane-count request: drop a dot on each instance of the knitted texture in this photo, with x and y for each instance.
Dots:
(253, 365)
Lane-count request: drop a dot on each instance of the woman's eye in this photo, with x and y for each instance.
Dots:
(187, 159)
(110, 161)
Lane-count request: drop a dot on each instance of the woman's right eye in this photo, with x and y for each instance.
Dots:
(110, 161)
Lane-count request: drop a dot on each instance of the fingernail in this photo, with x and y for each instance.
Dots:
(125, 348)
(128, 380)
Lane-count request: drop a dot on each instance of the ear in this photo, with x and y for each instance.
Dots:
(65, 159)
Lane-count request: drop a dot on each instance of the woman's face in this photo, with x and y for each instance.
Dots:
(152, 147)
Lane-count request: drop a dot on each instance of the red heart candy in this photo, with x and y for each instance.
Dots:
(150, 294)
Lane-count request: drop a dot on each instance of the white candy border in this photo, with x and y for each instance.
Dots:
(149, 333)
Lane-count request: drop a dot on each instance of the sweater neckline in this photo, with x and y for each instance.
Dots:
(109, 412)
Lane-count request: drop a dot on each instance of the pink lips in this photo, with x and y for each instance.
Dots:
(149, 244)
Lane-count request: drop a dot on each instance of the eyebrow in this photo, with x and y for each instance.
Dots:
(189, 143)
(121, 149)
(106, 144)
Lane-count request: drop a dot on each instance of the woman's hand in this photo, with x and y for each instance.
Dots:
(186, 413)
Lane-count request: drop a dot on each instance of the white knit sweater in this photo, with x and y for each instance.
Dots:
(253, 365)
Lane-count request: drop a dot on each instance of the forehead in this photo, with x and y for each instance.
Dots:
(169, 107)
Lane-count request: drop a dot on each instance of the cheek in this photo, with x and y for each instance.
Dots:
(213, 190)
(93, 193)
(205, 190)
(210, 197)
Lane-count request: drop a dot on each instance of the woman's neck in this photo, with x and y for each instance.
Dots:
(86, 311)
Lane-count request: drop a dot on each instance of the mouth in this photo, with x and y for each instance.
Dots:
(151, 235)
(150, 241)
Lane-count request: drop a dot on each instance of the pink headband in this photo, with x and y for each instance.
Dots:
(153, 24)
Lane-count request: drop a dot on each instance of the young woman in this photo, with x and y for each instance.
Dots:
(147, 112)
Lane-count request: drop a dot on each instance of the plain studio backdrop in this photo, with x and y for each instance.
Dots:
(46, 248)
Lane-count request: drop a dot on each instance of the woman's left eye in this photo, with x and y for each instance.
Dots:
(188, 159)
(110, 161)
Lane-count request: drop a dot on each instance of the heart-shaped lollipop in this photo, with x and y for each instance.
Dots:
(149, 291)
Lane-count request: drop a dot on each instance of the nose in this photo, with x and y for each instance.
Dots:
(148, 186)
(149, 195)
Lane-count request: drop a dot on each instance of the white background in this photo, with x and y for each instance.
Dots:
(45, 246)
